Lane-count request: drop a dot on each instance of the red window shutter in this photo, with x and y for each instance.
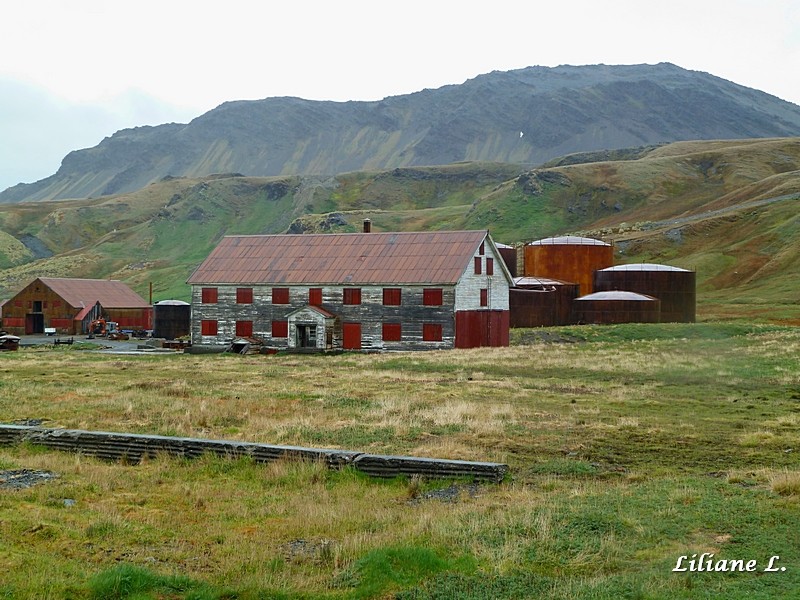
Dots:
(478, 269)
(315, 296)
(44, 304)
(431, 332)
(392, 296)
(244, 328)
(244, 295)
(392, 332)
(482, 248)
(280, 296)
(490, 266)
(432, 296)
(280, 329)
(352, 296)
(208, 327)
(484, 297)
(209, 295)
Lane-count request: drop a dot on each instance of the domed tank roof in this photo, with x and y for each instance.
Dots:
(568, 240)
(618, 295)
(172, 303)
(646, 267)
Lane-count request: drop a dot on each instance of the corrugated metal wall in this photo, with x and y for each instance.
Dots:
(477, 328)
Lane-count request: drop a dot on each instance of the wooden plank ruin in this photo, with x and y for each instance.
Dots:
(134, 447)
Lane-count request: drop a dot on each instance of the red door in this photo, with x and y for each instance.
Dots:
(351, 336)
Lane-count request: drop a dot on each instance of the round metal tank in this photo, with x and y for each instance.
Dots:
(171, 319)
(602, 308)
(675, 287)
(539, 302)
(568, 258)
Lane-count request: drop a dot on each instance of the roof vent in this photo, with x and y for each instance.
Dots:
(367, 226)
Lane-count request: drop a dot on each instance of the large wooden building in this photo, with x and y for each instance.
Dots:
(382, 291)
(69, 305)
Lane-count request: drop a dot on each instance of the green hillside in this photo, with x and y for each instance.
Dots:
(725, 208)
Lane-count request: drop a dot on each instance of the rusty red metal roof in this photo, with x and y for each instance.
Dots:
(436, 257)
(85, 292)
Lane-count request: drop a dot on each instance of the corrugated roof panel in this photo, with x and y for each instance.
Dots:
(110, 293)
(341, 258)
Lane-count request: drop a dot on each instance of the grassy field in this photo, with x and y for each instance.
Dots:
(629, 446)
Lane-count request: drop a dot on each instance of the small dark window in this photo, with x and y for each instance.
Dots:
(432, 296)
(392, 296)
(484, 297)
(280, 329)
(280, 296)
(431, 332)
(244, 295)
(482, 249)
(208, 327)
(392, 332)
(478, 269)
(315, 296)
(490, 266)
(244, 328)
(352, 296)
(209, 295)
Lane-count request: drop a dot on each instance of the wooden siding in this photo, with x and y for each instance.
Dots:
(371, 313)
(482, 287)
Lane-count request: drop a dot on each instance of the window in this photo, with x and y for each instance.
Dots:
(315, 296)
(208, 295)
(280, 296)
(208, 327)
(431, 332)
(432, 296)
(478, 269)
(244, 328)
(490, 266)
(392, 332)
(484, 297)
(392, 296)
(352, 296)
(280, 329)
(244, 295)
(482, 249)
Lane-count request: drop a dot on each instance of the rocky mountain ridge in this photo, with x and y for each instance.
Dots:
(524, 117)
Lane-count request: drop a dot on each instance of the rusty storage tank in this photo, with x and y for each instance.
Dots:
(509, 254)
(568, 258)
(603, 308)
(675, 287)
(539, 302)
(171, 319)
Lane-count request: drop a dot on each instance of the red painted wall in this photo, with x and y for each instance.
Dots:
(477, 328)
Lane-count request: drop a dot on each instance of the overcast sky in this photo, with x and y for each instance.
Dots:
(75, 71)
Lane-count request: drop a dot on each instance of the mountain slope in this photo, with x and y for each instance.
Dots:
(728, 209)
(526, 117)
